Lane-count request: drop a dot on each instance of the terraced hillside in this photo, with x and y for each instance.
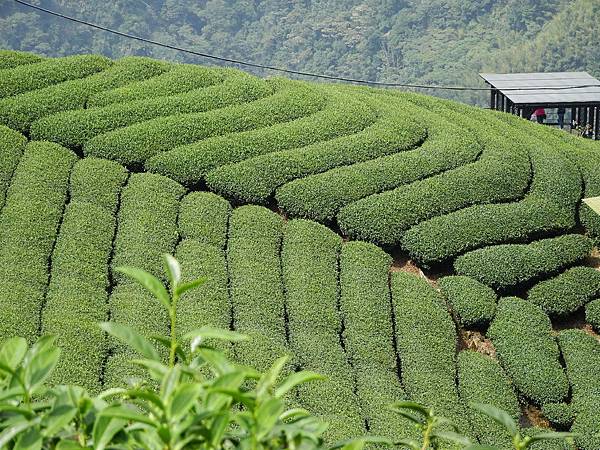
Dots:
(291, 197)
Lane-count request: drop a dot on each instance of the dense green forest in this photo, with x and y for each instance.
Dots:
(434, 41)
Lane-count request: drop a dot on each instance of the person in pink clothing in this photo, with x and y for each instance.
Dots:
(540, 115)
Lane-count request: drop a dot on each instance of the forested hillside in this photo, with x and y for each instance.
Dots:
(438, 41)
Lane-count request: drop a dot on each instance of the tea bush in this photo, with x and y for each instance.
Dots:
(12, 146)
(426, 340)
(203, 216)
(473, 303)
(147, 229)
(191, 163)
(255, 283)
(366, 310)
(29, 222)
(310, 274)
(566, 292)
(97, 181)
(13, 58)
(209, 304)
(21, 111)
(319, 197)
(482, 380)
(592, 313)
(74, 129)
(135, 144)
(509, 265)
(549, 207)
(522, 335)
(38, 75)
(559, 414)
(256, 179)
(181, 78)
(581, 353)
(77, 297)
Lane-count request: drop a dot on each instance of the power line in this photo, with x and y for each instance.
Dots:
(282, 69)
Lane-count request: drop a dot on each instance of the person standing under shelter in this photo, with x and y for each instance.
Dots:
(560, 113)
(540, 115)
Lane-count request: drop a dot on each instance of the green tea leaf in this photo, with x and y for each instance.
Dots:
(132, 338)
(148, 281)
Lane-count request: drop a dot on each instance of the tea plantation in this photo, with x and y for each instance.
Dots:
(291, 198)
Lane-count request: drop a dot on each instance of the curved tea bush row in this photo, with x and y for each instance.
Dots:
(136, 143)
(502, 173)
(203, 216)
(319, 197)
(509, 265)
(209, 304)
(77, 298)
(50, 71)
(310, 273)
(581, 353)
(340, 115)
(256, 179)
(473, 303)
(29, 223)
(75, 128)
(592, 313)
(12, 146)
(21, 111)
(366, 309)
(147, 229)
(482, 380)
(548, 208)
(181, 78)
(566, 292)
(522, 335)
(559, 414)
(13, 58)
(256, 288)
(588, 160)
(426, 339)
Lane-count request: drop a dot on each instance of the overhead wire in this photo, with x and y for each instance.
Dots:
(283, 69)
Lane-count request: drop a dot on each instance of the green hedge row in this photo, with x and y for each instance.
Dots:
(592, 313)
(566, 292)
(522, 335)
(189, 164)
(38, 75)
(482, 380)
(559, 414)
(310, 273)
(77, 296)
(426, 340)
(256, 179)
(13, 58)
(203, 216)
(137, 143)
(147, 229)
(208, 305)
(366, 309)
(181, 78)
(549, 207)
(473, 303)
(255, 284)
(21, 111)
(29, 222)
(97, 181)
(510, 265)
(502, 173)
(75, 128)
(581, 353)
(12, 146)
(320, 197)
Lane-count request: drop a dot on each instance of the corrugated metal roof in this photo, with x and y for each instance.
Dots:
(506, 82)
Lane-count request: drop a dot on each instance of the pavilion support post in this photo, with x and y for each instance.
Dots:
(493, 99)
(597, 123)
